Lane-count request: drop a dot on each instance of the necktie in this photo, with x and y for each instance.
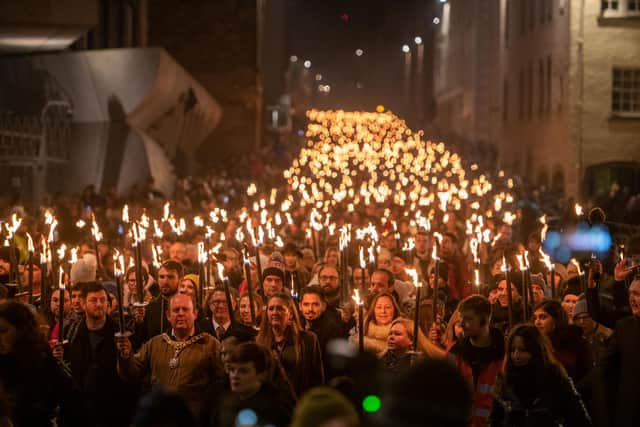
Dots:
(220, 331)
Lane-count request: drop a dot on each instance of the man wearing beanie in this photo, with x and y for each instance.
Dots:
(596, 334)
(273, 276)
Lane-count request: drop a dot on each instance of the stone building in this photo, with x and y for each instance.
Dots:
(550, 89)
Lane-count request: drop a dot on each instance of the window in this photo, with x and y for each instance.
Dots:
(625, 94)
(550, 9)
(610, 5)
(620, 8)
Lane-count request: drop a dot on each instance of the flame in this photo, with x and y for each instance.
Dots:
(166, 211)
(61, 251)
(473, 245)
(409, 245)
(363, 263)
(546, 259)
(61, 278)
(220, 269)
(125, 214)
(157, 231)
(356, 298)
(578, 210)
(521, 262)
(73, 258)
(577, 264)
(476, 274)
(30, 248)
(413, 273)
(202, 255)
(80, 224)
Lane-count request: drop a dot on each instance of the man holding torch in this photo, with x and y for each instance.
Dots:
(91, 354)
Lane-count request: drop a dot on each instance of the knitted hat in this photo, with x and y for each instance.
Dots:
(84, 270)
(323, 404)
(275, 266)
(580, 308)
(538, 279)
(194, 278)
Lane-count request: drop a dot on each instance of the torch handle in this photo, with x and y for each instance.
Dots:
(361, 327)
(416, 320)
(31, 278)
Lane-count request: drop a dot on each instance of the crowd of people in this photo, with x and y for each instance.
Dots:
(280, 341)
(272, 333)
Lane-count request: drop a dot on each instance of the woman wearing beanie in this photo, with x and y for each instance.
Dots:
(296, 352)
(323, 407)
(534, 389)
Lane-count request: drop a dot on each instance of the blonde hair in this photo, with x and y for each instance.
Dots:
(450, 333)
(427, 347)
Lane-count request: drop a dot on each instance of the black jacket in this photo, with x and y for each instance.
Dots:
(269, 408)
(94, 370)
(500, 316)
(547, 399)
(302, 374)
(35, 392)
(155, 321)
(619, 372)
(326, 329)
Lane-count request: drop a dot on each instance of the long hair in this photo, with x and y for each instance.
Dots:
(537, 344)
(258, 305)
(554, 309)
(29, 345)
(450, 333)
(265, 336)
(370, 316)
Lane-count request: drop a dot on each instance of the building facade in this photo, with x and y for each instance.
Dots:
(550, 85)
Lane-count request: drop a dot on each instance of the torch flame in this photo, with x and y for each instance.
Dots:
(356, 297)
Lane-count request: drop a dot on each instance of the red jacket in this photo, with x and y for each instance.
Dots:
(484, 383)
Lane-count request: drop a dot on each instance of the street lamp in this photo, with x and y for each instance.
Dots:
(293, 58)
(406, 48)
(359, 52)
(307, 64)
(418, 40)
(436, 20)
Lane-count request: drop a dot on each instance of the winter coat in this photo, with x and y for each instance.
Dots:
(551, 400)
(35, 397)
(464, 355)
(269, 408)
(573, 352)
(303, 374)
(326, 329)
(188, 373)
(619, 372)
(96, 374)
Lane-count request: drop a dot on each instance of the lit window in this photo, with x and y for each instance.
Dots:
(625, 94)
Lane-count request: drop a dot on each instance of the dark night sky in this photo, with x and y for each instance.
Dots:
(328, 32)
